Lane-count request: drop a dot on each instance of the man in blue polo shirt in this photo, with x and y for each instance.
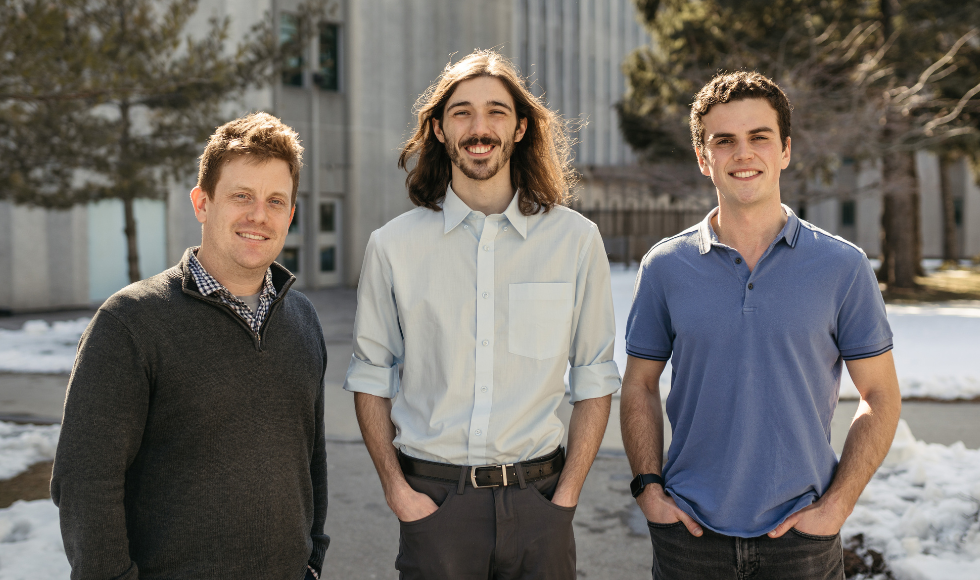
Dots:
(757, 310)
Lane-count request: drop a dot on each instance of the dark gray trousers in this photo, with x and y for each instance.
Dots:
(677, 555)
(500, 533)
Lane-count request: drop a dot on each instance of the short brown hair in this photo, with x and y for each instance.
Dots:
(259, 136)
(540, 166)
(736, 86)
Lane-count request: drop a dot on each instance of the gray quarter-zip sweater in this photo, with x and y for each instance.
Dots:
(192, 448)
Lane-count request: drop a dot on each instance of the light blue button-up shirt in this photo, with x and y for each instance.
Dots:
(484, 313)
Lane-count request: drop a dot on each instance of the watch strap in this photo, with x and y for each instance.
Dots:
(642, 480)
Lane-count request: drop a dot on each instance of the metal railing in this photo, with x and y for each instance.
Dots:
(629, 233)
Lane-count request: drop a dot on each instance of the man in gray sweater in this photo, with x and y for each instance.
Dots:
(193, 440)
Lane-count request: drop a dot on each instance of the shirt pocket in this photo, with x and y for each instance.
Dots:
(540, 319)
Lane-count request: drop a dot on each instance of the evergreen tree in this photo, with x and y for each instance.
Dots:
(869, 80)
(111, 99)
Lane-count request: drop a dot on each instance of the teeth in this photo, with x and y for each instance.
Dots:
(478, 149)
(745, 173)
(251, 236)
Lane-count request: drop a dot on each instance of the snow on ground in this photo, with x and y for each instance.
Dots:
(936, 345)
(921, 510)
(30, 542)
(24, 445)
(41, 348)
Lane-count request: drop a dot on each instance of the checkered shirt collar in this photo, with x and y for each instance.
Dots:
(207, 285)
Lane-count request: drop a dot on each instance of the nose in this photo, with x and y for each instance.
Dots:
(743, 151)
(480, 125)
(258, 213)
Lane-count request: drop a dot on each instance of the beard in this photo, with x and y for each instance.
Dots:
(480, 169)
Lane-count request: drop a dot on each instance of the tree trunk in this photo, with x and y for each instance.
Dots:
(132, 252)
(900, 263)
(124, 185)
(951, 256)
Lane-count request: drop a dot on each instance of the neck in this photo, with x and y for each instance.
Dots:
(489, 196)
(238, 281)
(749, 230)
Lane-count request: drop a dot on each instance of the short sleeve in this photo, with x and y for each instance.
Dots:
(649, 333)
(862, 325)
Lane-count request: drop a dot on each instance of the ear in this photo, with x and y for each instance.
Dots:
(521, 129)
(200, 200)
(702, 162)
(437, 129)
(785, 156)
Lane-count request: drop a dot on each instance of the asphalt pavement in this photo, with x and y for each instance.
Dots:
(611, 538)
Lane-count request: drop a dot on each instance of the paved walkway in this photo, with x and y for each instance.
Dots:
(612, 541)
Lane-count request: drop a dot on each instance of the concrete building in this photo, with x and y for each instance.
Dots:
(350, 95)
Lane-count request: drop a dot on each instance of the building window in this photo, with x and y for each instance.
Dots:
(292, 69)
(848, 211)
(328, 74)
(327, 217)
(290, 259)
(328, 261)
(958, 211)
(294, 226)
(801, 211)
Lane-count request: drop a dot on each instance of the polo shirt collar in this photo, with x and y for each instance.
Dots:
(707, 235)
(454, 211)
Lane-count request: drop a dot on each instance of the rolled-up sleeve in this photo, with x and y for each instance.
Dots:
(594, 373)
(378, 342)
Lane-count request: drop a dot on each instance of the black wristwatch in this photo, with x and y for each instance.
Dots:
(642, 480)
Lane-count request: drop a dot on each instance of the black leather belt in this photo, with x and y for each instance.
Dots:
(485, 475)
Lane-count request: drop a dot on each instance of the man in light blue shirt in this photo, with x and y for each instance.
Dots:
(758, 311)
(470, 309)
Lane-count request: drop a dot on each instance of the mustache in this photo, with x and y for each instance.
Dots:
(485, 140)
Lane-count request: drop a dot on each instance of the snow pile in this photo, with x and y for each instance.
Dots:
(921, 510)
(30, 542)
(24, 445)
(41, 348)
(936, 345)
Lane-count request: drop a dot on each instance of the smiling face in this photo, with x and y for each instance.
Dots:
(479, 128)
(743, 153)
(245, 221)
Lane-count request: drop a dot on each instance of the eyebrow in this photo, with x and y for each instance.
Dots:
(752, 132)
(489, 104)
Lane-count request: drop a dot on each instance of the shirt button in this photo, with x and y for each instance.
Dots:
(466, 227)
(483, 389)
(478, 432)
(486, 295)
(738, 260)
(486, 342)
(505, 228)
(487, 248)
(751, 286)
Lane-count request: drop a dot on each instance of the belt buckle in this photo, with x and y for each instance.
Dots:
(503, 471)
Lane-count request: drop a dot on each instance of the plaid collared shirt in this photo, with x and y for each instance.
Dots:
(208, 286)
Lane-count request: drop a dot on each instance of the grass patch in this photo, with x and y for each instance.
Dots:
(29, 485)
(939, 286)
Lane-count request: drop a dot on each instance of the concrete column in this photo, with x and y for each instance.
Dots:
(930, 203)
(824, 214)
(31, 276)
(869, 209)
(971, 210)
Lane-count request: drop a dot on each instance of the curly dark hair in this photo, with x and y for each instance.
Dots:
(540, 166)
(736, 86)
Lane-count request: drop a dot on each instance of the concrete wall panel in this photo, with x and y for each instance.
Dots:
(930, 203)
(971, 210)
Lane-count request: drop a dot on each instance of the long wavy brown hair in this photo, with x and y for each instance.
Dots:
(541, 165)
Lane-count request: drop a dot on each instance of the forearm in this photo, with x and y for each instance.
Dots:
(867, 443)
(585, 431)
(374, 419)
(642, 421)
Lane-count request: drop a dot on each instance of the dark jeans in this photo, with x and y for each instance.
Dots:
(500, 533)
(677, 555)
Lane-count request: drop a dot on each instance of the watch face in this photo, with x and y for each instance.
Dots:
(636, 486)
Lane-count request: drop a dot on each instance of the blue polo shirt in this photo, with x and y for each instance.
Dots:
(757, 360)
